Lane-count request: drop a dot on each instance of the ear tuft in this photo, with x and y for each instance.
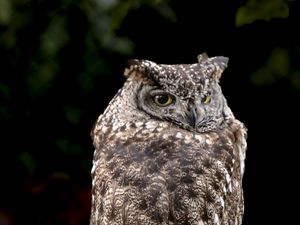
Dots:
(132, 62)
(220, 63)
(202, 57)
(131, 65)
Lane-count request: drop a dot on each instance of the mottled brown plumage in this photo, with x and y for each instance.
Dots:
(168, 149)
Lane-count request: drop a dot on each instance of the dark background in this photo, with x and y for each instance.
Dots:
(62, 61)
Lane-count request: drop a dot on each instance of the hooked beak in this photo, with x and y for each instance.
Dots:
(196, 115)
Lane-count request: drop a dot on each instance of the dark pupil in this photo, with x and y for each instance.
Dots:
(162, 99)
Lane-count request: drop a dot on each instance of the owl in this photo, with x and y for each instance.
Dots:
(168, 149)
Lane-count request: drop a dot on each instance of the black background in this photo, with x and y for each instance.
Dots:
(270, 112)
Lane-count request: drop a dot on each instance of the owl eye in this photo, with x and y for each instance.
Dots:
(206, 99)
(163, 100)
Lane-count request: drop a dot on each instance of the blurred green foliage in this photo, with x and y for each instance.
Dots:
(57, 30)
(277, 66)
(57, 26)
(52, 55)
(261, 10)
(37, 36)
(5, 11)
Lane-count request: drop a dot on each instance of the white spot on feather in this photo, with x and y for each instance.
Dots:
(179, 135)
(150, 125)
(165, 136)
(200, 222)
(224, 189)
(104, 129)
(208, 141)
(229, 187)
(138, 124)
(222, 202)
(115, 125)
(237, 184)
(94, 166)
(227, 176)
(216, 220)
(198, 137)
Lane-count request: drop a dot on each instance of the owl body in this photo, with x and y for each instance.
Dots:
(164, 153)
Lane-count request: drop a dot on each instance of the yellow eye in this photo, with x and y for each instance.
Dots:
(163, 100)
(206, 99)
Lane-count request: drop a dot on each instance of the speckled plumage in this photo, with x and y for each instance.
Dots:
(178, 164)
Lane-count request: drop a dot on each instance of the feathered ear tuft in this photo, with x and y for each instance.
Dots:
(131, 62)
(202, 57)
(131, 65)
(213, 67)
(220, 63)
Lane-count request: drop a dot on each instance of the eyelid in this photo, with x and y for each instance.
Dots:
(159, 92)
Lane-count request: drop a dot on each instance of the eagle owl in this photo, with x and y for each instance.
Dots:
(168, 149)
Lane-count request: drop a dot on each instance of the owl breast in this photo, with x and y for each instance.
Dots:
(173, 177)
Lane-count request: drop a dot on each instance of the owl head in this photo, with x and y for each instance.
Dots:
(188, 95)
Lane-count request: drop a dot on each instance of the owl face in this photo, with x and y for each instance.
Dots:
(187, 95)
(201, 113)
